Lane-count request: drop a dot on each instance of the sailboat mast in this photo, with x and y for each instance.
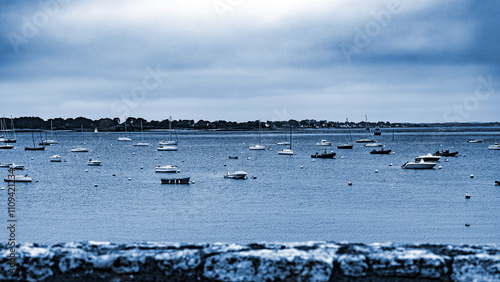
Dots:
(12, 127)
(290, 125)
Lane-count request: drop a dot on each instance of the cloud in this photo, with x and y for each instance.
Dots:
(273, 54)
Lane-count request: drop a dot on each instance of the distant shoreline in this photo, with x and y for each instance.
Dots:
(135, 124)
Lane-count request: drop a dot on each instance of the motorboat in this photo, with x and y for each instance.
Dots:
(428, 158)
(179, 180)
(17, 167)
(92, 162)
(19, 178)
(5, 164)
(446, 153)
(373, 145)
(167, 148)
(55, 158)
(324, 155)
(324, 143)
(494, 147)
(6, 146)
(167, 169)
(365, 141)
(233, 158)
(380, 152)
(377, 131)
(257, 147)
(497, 183)
(285, 152)
(236, 175)
(79, 150)
(475, 141)
(141, 144)
(419, 165)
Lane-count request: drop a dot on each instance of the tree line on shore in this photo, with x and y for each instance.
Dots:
(134, 124)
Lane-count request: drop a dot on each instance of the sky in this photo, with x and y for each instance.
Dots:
(239, 60)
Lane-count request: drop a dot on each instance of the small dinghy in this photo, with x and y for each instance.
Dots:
(324, 155)
(381, 152)
(446, 153)
(233, 158)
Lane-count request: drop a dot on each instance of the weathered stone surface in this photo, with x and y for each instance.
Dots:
(408, 263)
(308, 261)
(480, 267)
(270, 265)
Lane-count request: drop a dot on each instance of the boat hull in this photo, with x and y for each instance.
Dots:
(167, 148)
(345, 146)
(6, 147)
(494, 147)
(34, 148)
(419, 165)
(380, 152)
(324, 155)
(184, 180)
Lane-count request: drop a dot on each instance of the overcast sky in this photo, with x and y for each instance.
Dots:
(413, 61)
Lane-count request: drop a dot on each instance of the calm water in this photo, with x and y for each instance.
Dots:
(284, 203)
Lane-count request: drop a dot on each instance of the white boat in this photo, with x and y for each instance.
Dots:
(419, 165)
(142, 143)
(167, 148)
(494, 147)
(55, 158)
(373, 145)
(125, 138)
(19, 178)
(236, 175)
(475, 141)
(92, 162)
(168, 142)
(167, 169)
(5, 164)
(428, 158)
(283, 143)
(324, 143)
(258, 146)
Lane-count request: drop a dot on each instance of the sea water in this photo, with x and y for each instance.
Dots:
(292, 198)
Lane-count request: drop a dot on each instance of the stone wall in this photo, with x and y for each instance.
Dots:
(312, 261)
